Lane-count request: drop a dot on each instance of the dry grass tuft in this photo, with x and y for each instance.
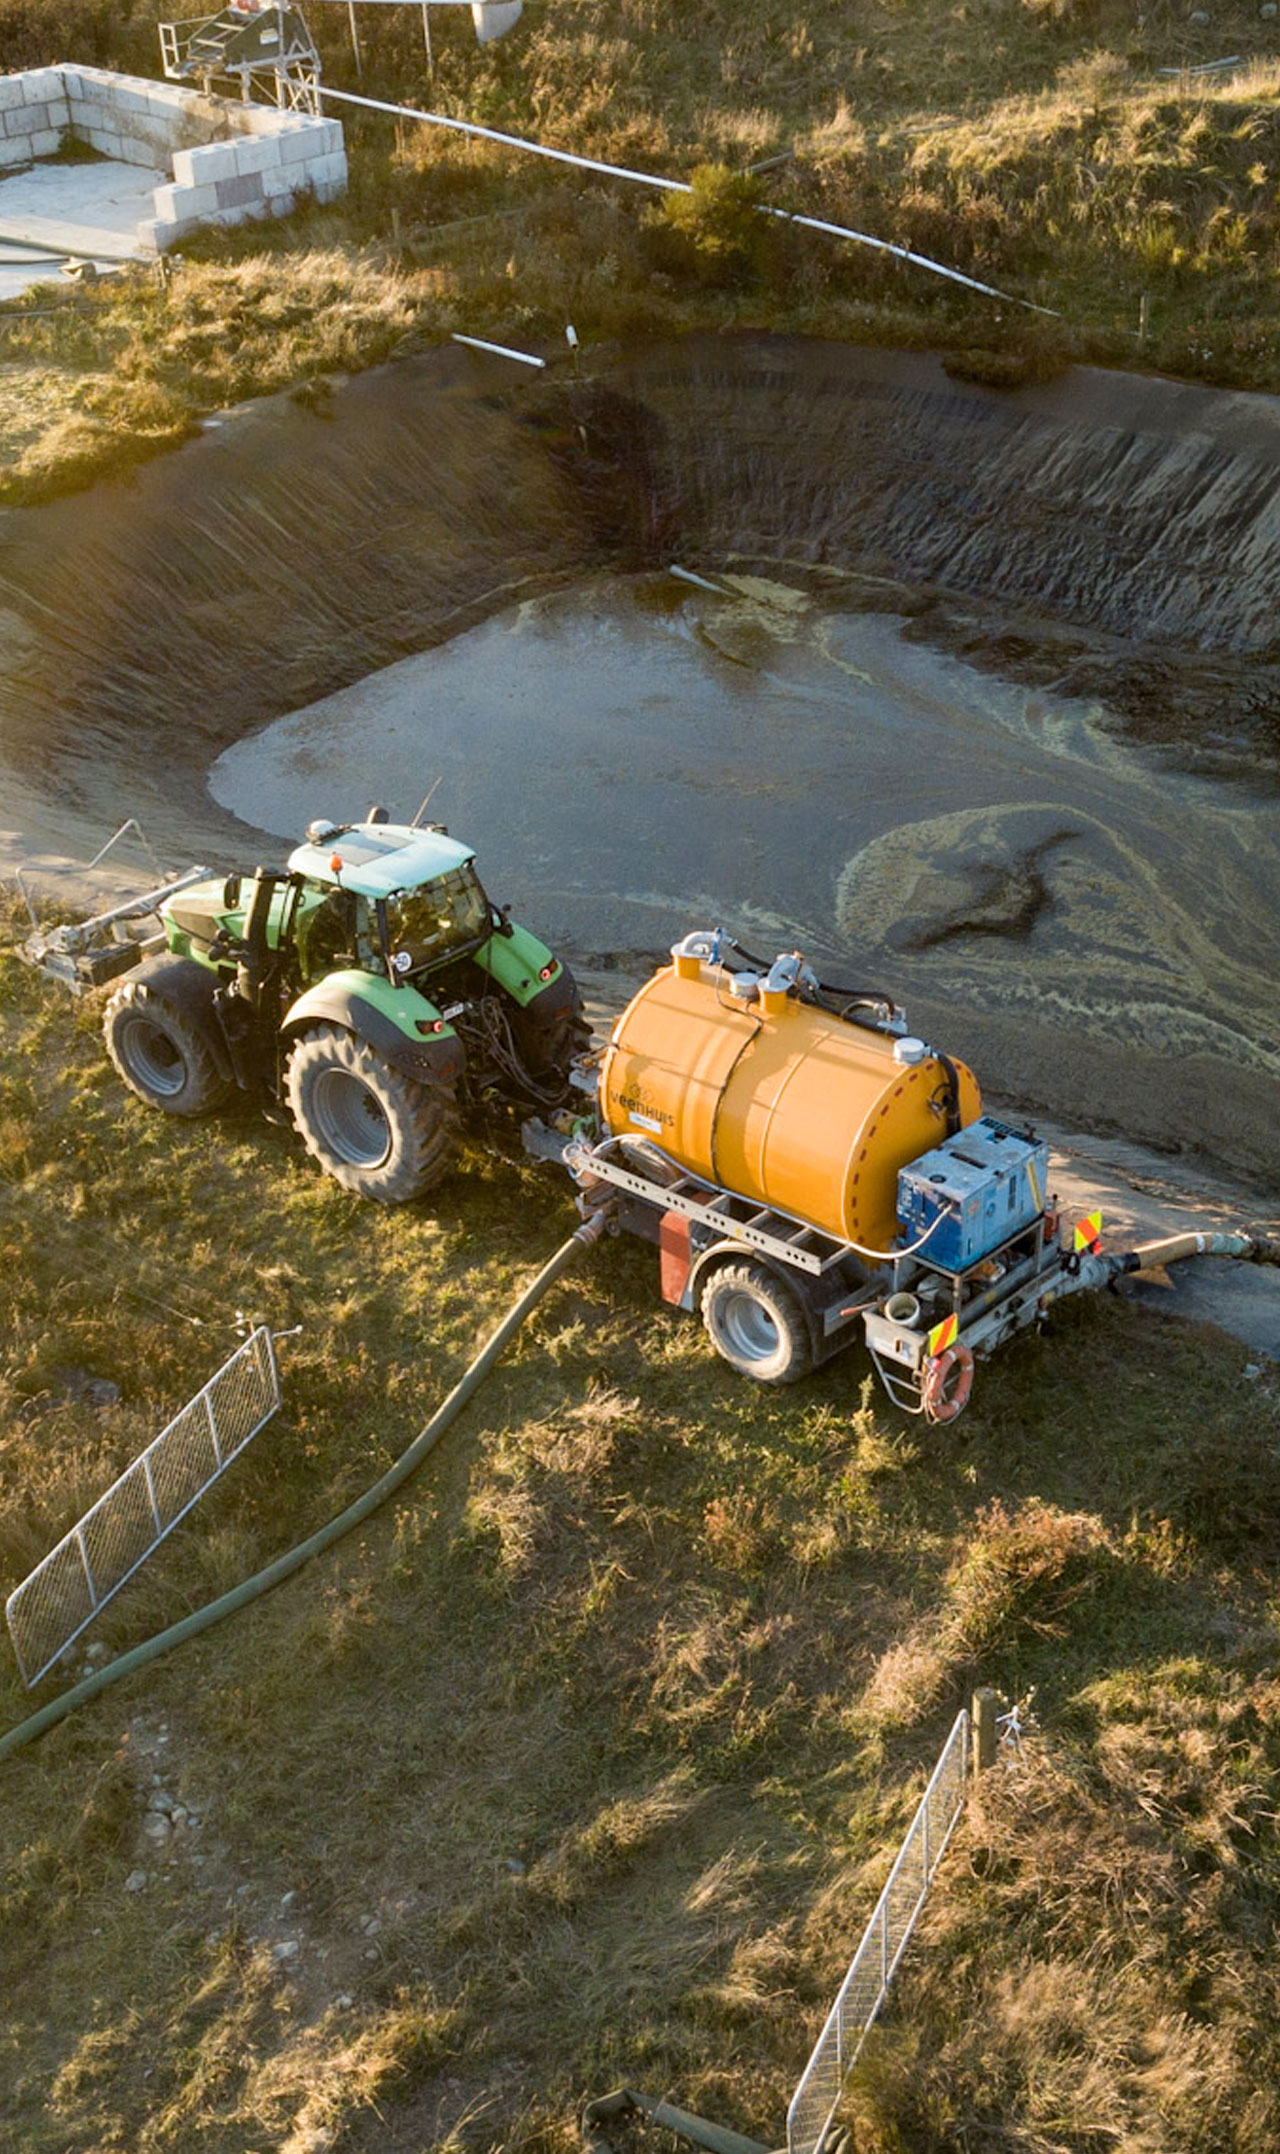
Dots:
(1019, 1572)
(1075, 1986)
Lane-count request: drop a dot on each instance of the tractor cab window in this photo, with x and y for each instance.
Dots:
(328, 930)
(451, 913)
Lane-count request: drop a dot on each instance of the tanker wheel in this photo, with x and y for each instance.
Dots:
(757, 1324)
(381, 1134)
(161, 1052)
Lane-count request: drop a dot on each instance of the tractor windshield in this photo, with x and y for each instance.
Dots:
(444, 915)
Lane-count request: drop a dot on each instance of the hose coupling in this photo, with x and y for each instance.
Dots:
(597, 1220)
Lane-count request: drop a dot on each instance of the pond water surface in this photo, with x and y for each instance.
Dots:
(635, 758)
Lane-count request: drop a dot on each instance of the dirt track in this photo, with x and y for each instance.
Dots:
(1101, 536)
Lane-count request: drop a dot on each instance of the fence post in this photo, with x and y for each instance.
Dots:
(156, 1519)
(985, 1706)
(212, 1419)
(86, 1566)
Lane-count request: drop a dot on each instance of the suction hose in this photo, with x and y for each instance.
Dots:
(1256, 1248)
(625, 2103)
(355, 1514)
(1106, 1266)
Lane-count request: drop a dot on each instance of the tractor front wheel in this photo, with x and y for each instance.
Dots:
(162, 1052)
(381, 1134)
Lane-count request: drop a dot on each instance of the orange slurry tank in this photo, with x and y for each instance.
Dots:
(776, 1099)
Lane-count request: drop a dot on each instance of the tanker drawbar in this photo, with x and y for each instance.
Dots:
(812, 1175)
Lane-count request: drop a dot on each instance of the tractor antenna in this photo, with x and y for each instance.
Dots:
(427, 802)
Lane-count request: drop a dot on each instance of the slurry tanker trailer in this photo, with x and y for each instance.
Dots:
(813, 1174)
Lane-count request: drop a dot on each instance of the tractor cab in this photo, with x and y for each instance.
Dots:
(412, 893)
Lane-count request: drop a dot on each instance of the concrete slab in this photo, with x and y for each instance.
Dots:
(91, 211)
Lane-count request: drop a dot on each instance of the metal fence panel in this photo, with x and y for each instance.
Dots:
(863, 1991)
(64, 1593)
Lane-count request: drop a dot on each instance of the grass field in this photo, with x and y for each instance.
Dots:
(1052, 148)
(584, 1761)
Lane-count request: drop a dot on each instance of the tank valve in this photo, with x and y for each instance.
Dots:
(703, 944)
(744, 986)
(787, 972)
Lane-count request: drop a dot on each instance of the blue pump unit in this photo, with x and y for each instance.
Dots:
(975, 1192)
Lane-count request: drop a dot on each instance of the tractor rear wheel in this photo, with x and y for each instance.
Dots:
(162, 1051)
(381, 1134)
(755, 1321)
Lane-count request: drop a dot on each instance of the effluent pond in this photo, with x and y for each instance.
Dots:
(1098, 931)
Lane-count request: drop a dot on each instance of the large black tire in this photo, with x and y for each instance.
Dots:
(381, 1134)
(757, 1324)
(163, 1051)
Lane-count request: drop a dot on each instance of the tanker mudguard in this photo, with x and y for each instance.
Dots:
(362, 1004)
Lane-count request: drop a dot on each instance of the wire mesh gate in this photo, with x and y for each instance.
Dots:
(64, 1593)
(863, 1991)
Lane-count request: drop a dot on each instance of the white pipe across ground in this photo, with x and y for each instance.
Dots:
(675, 186)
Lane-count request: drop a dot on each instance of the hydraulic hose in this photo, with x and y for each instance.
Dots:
(867, 997)
(251, 1589)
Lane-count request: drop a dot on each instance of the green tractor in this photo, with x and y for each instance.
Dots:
(370, 987)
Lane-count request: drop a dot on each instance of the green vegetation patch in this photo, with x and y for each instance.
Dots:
(585, 1760)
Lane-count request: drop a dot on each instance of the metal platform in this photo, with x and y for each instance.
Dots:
(267, 49)
(788, 1240)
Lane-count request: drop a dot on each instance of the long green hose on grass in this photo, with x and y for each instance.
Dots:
(355, 1514)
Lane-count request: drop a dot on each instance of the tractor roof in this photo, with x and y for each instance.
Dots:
(375, 859)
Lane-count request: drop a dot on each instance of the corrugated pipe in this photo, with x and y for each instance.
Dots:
(251, 1589)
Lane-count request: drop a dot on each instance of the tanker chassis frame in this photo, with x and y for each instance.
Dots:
(924, 1326)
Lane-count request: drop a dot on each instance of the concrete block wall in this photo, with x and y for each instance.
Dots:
(34, 115)
(140, 122)
(230, 161)
(263, 169)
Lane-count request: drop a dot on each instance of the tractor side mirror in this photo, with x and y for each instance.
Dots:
(231, 892)
(502, 920)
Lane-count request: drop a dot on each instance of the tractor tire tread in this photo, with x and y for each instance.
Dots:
(138, 1009)
(422, 1114)
(773, 1346)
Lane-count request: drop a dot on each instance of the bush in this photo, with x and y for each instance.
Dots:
(716, 231)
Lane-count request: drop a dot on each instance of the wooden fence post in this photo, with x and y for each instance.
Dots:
(985, 1705)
